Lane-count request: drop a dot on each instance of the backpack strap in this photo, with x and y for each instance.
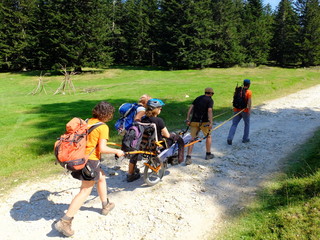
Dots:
(94, 126)
(91, 128)
(134, 107)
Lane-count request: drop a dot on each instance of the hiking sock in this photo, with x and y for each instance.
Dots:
(105, 203)
(208, 153)
(66, 218)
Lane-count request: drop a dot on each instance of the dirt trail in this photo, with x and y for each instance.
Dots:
(190, 203)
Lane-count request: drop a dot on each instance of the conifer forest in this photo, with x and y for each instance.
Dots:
(171, 34)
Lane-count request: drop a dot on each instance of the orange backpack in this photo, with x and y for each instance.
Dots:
(70, 147)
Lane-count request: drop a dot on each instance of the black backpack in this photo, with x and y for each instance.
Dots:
(140, 136)
(239, 97)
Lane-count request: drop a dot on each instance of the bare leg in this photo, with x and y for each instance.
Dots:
(131, 168)
(208, 143)
(102, 186)
(77, 202)
(190, 148)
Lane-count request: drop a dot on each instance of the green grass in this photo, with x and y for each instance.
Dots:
(30, 124)
(288, 209)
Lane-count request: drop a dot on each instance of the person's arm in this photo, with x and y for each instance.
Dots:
(139, 115)
(210, 116)
(103, 148)
(188, 114)
(165, 133)
(249, 104)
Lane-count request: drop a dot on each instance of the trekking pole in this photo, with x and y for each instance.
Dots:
(198, 140)
(219, 115)
(211, 130)
(227, 120)
(114, 144)
(183, 132)
(140, 152)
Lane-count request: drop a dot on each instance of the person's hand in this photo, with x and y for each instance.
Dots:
(120, 153)
(187, 122)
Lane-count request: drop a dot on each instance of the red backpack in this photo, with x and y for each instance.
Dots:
(70, 147)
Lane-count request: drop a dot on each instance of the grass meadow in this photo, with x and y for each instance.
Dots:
(30, 124)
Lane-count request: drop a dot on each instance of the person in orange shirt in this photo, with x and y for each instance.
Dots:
(245, 115)
(96, 144)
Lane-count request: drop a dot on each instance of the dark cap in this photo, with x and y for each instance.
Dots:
(246, 82)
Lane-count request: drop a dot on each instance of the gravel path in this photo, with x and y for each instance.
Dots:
(191, 203)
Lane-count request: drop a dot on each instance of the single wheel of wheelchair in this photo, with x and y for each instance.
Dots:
(153, 171)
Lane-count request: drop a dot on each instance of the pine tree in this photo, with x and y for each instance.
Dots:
(227, 37)
(76, 33)
(185, 30)
(200, 40)
(117, 41)
(310, 33)
(15, 37)
(139, 31)
(257, 32)
(4, 44)
(285, 50)
(172, 20)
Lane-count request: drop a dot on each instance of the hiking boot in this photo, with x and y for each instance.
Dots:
(246, 141)
(107, 208)
(64, 226)
(209, 156)
(173, 160)
(229, 142)
(188, 160)
(133, 177)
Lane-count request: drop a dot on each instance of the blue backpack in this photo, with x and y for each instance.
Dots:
(127, 113)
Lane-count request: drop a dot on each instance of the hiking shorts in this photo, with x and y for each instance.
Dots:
(195, 128)
(135, 157)
(95, 167)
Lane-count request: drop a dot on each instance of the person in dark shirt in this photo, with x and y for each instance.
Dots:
(153, 109)
(201, 111)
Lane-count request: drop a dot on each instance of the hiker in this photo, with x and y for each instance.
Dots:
(96, 144)
(153, 109)
(201, 110)
(245, 115)
(142, 108)
(130, 113)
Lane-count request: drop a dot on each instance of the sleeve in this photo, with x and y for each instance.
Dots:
(249, 94)
(210, 105)
(140, 109)
(103, 132)
(161, 124)
(195, 101)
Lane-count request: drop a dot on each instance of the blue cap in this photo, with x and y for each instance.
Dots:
(246, 82)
